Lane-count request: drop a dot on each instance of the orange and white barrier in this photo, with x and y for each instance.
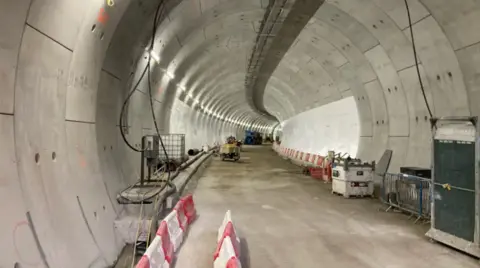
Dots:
(227, 253)
(169, 236)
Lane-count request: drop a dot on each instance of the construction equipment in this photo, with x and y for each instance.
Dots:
(455, 204)
(253, 138)
(351, 177)
(230, 150)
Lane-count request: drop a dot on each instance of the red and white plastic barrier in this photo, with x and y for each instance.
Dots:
(169, 236)
(319, 168)
(227, 254)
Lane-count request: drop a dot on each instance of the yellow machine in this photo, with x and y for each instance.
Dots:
(230, 150)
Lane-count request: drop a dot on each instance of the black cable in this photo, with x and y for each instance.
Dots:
(154, 31)
(416, 60)
(158, 13)
(127, 100)
(130, 94)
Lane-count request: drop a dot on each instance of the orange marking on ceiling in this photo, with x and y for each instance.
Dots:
(102, 16)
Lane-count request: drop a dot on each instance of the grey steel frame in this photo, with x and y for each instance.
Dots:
(438, 235)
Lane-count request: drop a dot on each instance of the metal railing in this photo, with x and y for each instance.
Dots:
(407, 193)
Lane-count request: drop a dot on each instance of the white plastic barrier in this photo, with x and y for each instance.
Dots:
(160, 252)
(227, 253)
(226, 219)
(169, 236)
(174, 229)
(226, 257)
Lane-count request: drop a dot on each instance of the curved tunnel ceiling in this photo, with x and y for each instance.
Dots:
(65, 68)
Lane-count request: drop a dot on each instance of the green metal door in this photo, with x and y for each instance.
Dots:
(455, 205)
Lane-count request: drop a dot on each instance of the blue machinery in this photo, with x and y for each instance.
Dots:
(253, 138)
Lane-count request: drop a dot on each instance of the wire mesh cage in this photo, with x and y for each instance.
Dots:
(174, 145)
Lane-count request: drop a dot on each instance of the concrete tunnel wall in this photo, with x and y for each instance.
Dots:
(65, 67)
(334, 126)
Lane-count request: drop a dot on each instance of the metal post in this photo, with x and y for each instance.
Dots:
(142, 162)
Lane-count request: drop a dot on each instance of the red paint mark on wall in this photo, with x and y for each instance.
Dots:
(102, 16)
(82, 161)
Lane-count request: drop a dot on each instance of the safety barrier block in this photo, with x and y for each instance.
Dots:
(234, 262)
(320, 161)
(301, 156)
(174, 230)
(158, 254)
(144, 262)
(167, 245)
(230, 233)
(226, 255)
(296, 154)
(189, 208)
(316, 173)
(226, 219)
(181, 215)
(307, 157)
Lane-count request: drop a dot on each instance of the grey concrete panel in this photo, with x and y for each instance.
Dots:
(397, 11)
(356, 32)
(442, 68)
(85, 66)
(380, 119)
(383, 28)
(130, 34)
(17, 243)
(48, 184)
(59, 19)
(392, 91)
(92, 193)
(205, 5)
(347, 48)
(469, 60)
(358, 91)
(399, 146)
(12, 18)
(108, 112)
(364, 149)
(419, 145)
(458, 19)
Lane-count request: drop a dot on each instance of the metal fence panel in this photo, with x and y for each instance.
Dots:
(408, 193)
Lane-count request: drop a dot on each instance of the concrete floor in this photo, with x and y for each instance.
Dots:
(286, 219)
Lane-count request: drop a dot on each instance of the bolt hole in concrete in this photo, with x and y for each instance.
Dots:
(101, 36)
(54, 156)
(94, 27)
(17, 265)
(450, 74)
(104, 208)
(37, 158)
(95, 214)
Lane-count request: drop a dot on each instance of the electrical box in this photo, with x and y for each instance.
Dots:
(353, 179)
(151, 143)
(455, 191)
